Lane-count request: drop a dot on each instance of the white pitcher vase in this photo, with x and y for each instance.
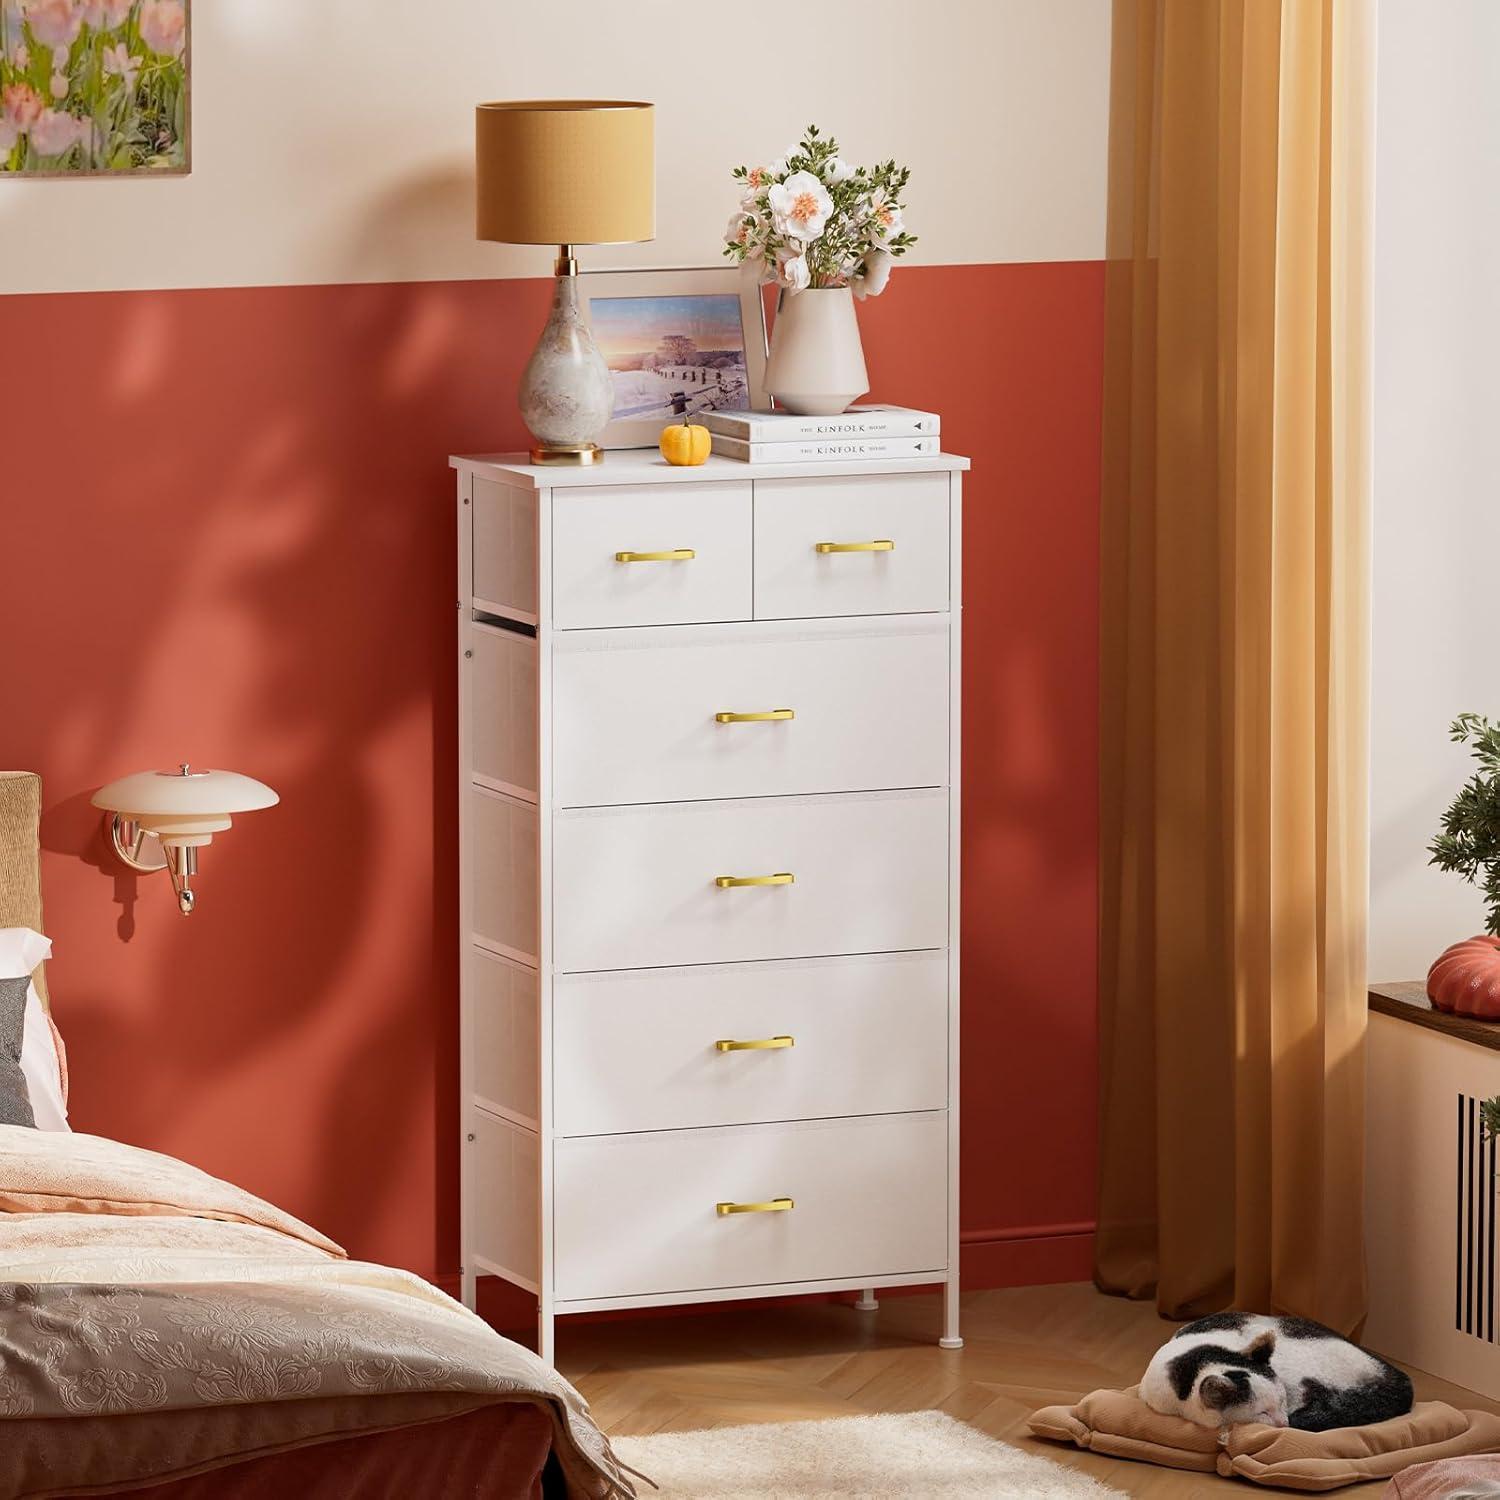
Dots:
(816, 366)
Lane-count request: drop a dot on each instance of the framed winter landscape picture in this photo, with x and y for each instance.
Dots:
(94, 88)
(676, 343)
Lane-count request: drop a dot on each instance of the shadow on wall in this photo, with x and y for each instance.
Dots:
(240, 525)
(412, 223)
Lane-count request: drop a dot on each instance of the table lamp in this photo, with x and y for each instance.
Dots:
(565, 172)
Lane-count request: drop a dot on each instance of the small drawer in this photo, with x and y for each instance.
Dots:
(739, 1044)
(866, 872)
(861, 545)
(502, 692)
(502, 849)
(650, 555)
(636, 1215)
(504, 1172)
(502, 1039)
(868, 707)
(504, 553)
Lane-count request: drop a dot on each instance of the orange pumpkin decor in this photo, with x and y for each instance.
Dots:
(684, 443)
(1466, 979)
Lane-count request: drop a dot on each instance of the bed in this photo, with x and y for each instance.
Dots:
(166, 1334)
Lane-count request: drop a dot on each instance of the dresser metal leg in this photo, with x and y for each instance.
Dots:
(468, 1291)
(546, 1339)
(950, 1338)
(866, 1302)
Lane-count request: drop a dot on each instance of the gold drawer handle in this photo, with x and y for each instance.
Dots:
(881, 546)
(763, 1044)
(767, 716)
(775, 1206)
(727, 882)
(677, 554)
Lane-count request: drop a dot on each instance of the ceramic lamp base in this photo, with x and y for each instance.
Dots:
(566, 393)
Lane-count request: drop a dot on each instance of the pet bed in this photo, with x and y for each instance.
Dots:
(1121, 1425)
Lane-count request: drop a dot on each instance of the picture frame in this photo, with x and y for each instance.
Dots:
(98, 91)
(678, 342)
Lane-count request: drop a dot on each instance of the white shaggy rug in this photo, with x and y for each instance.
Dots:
(925, 1455)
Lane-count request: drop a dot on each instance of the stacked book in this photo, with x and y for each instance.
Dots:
(761, 437)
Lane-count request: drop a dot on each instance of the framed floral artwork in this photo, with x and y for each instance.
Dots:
(94, 88)
(677, 343)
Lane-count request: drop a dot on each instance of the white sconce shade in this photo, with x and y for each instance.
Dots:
(162, 818)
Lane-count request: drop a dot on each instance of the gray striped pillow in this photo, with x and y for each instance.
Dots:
(15, 1101)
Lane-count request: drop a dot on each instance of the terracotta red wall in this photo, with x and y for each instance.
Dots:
(229, 539)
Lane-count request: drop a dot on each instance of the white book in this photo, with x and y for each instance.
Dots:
(875, 421)
(831, 450)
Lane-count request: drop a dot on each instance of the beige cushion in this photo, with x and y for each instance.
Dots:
(1447, 1479)
(1120, 1424)
(20, 862)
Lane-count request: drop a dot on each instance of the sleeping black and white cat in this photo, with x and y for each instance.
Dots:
(1287, 1372)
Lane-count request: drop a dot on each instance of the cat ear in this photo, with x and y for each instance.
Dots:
(1218, 1392)
(1260, 1349)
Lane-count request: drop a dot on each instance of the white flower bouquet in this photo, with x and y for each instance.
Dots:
(812, 220)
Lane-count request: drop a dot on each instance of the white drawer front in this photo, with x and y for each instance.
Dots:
(793, 517)
(591, 587)
(639, 1050)
(636, 1214)
(636, 887)
(871, 711)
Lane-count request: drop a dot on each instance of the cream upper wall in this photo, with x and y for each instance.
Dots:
(1436, 648)
(333, 140)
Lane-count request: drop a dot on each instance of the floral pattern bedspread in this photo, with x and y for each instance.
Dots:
(133, 1285)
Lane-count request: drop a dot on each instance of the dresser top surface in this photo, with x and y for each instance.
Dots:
(647, 466)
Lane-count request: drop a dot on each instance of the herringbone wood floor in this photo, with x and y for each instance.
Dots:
(1025, 1347)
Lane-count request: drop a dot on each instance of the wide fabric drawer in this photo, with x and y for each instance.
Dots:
(861, 545)
(870, 711)
(638, 887)
(638, 1214)
(650, 555)
(737, 1044)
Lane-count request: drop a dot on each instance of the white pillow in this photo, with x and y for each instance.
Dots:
(21, 950)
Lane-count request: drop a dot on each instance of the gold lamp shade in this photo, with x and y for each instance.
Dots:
(565, 171)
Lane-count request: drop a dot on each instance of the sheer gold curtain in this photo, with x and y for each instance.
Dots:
(1235, 548)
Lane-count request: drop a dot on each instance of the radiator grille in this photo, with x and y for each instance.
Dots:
(1474, 1271)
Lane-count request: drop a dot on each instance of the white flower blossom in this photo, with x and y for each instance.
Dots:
(792, 271)
(885, 217)
(836, 170)
(877, 271)
(744, 230)
(800, 206)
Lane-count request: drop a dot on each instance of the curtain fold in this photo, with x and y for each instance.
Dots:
(1235, 623)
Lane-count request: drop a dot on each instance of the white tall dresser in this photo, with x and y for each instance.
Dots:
(708, 783)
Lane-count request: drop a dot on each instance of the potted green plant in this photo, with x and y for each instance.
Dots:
(1466, 978)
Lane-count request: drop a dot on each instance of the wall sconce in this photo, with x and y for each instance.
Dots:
(160, 819)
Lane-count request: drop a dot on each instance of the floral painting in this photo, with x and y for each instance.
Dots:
(93, 87)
